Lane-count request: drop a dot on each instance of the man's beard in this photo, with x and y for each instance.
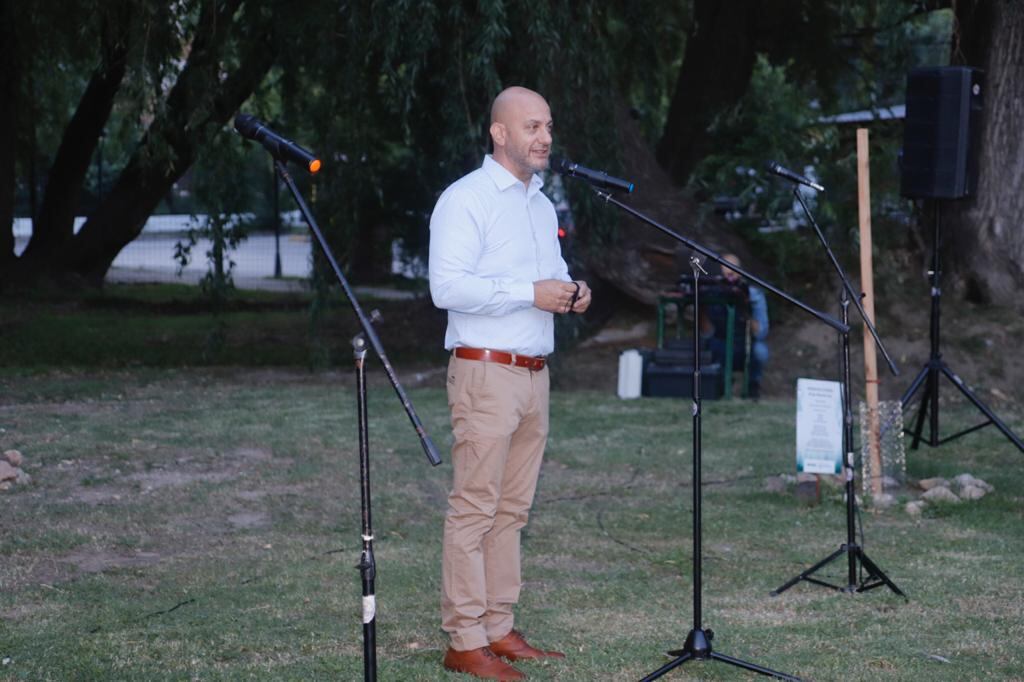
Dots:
(531, 163)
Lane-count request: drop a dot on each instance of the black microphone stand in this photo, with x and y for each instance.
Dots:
(936, 367)
(854, 552)
(367, 564)
(429, 449)
(698, 642)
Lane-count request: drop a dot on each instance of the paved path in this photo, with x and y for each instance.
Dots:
(150, 258)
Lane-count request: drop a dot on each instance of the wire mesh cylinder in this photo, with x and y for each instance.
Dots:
(887, 424)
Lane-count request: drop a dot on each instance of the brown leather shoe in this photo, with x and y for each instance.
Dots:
(482, 663)
(514, 647)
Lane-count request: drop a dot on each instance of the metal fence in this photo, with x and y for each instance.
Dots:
(153, 251)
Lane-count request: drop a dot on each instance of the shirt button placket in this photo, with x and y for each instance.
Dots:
(533, 236)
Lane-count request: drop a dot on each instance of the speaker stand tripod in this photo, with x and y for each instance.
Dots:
(698, 642)
(935, 368)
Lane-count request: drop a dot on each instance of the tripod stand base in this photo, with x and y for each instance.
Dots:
(698, 648)
(929, 378)
(875, 578)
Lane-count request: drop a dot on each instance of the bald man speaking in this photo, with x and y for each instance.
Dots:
(497, 268)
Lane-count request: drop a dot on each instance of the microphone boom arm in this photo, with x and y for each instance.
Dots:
(827, 319)
(855, 297)
(429, 449)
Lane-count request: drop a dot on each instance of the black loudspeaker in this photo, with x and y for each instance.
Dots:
(940, 132)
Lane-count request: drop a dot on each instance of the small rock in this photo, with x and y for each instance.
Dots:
(22, 478)
(972, 492)
(966, 481)
(929, 483)
(940, 494)
(888, 483)
(7, 472)
(774, 484)
(807, 492)
(807, 478)
(5, 485)
(914, 508)
(963, 480)
(883, 501)
(14, 457)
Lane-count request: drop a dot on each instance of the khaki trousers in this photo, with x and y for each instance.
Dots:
(500, 423)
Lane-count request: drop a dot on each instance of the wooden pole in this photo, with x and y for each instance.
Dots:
(868, 288)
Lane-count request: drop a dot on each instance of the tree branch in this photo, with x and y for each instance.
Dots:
(197, 107)
(54, 225)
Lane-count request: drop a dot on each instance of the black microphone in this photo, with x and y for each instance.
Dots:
(596, 178)
(282, 148)
(776, 169)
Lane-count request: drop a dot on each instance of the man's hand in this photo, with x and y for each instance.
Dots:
(556, 296)
(583, 299)
(553, 295)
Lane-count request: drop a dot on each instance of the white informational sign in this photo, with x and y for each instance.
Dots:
(819, 426)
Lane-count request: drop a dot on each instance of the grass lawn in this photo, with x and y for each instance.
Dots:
(204, 524)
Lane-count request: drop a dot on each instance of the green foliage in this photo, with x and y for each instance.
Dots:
(782, 117)
(766, 124)
(60, 48)
(396, 96)
(226, 187)
(403, 103)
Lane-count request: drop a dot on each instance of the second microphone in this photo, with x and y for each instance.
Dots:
(594, 177)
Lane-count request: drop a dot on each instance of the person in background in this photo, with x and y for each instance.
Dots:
(713, 326)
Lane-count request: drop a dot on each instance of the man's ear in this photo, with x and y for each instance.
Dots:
(499, 134)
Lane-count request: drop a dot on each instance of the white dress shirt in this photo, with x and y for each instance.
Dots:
(491, 238)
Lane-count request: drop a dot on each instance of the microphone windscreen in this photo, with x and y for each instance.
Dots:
(246, 124)
(559, 164)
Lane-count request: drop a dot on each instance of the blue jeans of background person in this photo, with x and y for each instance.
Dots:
(758, 359)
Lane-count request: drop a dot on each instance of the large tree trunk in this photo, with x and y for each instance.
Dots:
(716, 69)
(53, 227)
(9, 71)
(200, 102)
(192, 116)
(645, 263)
(986, 231)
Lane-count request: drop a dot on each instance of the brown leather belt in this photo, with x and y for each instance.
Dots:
(500, 356)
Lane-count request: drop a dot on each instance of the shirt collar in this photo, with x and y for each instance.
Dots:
(503, 178)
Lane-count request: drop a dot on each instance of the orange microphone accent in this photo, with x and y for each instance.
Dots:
(282, 148)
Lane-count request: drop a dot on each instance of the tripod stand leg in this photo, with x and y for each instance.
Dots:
(916, 384)
(671, 665)
(813, 569)
(922, 410)
(753, 667)
(875, 571)
(982, 407)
